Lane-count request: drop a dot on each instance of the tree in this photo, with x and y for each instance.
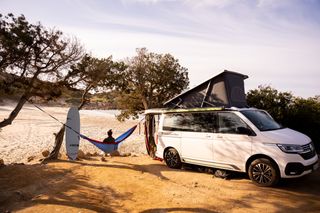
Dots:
(36, 57)
(267, 98)
(147, 80)
(15, 39)
(90, 74)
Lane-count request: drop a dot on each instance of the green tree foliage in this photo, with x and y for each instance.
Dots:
(92, 74)
(147, 80)
(304, 116)
(36, 57)
(15, 40)
(275, 102)
(89, 74)
(297, 113)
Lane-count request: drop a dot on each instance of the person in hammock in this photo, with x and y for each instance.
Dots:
(109, 139)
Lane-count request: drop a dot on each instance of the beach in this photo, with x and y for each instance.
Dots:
(33, 131)
(128, 183)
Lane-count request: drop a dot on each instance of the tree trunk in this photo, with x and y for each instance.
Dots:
(58, 142)
(59, 136)
(15, 111)
(24, 98)
(145, 103)
(83, 98)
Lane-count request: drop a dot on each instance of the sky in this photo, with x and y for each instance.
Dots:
(275, 42)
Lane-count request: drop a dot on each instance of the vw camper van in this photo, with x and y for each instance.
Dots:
(238, 139)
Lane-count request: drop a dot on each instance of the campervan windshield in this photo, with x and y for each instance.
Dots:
(262, 120)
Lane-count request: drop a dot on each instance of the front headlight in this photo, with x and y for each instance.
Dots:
(290, 148)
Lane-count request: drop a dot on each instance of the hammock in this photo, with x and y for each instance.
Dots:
(110, 147)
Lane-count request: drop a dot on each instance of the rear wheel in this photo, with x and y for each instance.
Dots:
(263, 172)
(172, 158)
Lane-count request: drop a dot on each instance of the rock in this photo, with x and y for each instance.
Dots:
(23, 196)
(2, 163)
(115, 153)
(221, 174)
(45, 153)
(103, 159)
(31, 158)
(125, 154)
(88, 155)
(81, 154)
(95, 154)
(209, 170)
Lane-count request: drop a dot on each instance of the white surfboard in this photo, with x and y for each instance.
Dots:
(72, 136)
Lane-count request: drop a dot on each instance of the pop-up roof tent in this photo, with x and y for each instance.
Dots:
(223, 90)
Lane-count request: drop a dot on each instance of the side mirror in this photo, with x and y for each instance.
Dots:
(245, 131)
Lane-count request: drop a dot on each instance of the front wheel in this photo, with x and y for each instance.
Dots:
(263, 172)
(172, 158)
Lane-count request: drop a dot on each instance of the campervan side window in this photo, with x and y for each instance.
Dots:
(191, 122)
(229, 123)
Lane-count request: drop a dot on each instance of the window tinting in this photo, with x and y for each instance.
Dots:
(191, 122)
(229, 123)
(262, 120)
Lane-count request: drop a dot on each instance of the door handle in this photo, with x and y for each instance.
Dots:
(173, 134)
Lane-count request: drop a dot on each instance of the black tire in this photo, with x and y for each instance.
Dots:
(263, 172)
(172, 158)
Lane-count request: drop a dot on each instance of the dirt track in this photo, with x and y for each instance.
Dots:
(140, 184)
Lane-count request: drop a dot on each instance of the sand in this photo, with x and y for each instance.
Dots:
(125, 184)
(140, 184)
(32, 131)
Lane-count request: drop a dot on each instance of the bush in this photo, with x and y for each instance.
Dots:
(304, 116)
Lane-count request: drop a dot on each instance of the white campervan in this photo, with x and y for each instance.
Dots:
(245, 140)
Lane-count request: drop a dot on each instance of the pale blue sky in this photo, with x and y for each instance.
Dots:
(274, 42)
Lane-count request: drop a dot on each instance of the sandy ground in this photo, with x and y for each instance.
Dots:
(140, 184)
(125, 184)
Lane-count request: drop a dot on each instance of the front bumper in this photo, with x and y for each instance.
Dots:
(298, 169)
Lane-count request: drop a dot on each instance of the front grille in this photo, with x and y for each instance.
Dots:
(308, 151)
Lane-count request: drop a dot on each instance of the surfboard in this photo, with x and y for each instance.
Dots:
(72, 130)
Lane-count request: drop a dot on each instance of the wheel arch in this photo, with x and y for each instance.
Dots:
(257, 156)
(168, 147)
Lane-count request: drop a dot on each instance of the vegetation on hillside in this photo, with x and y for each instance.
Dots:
(65, 96)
